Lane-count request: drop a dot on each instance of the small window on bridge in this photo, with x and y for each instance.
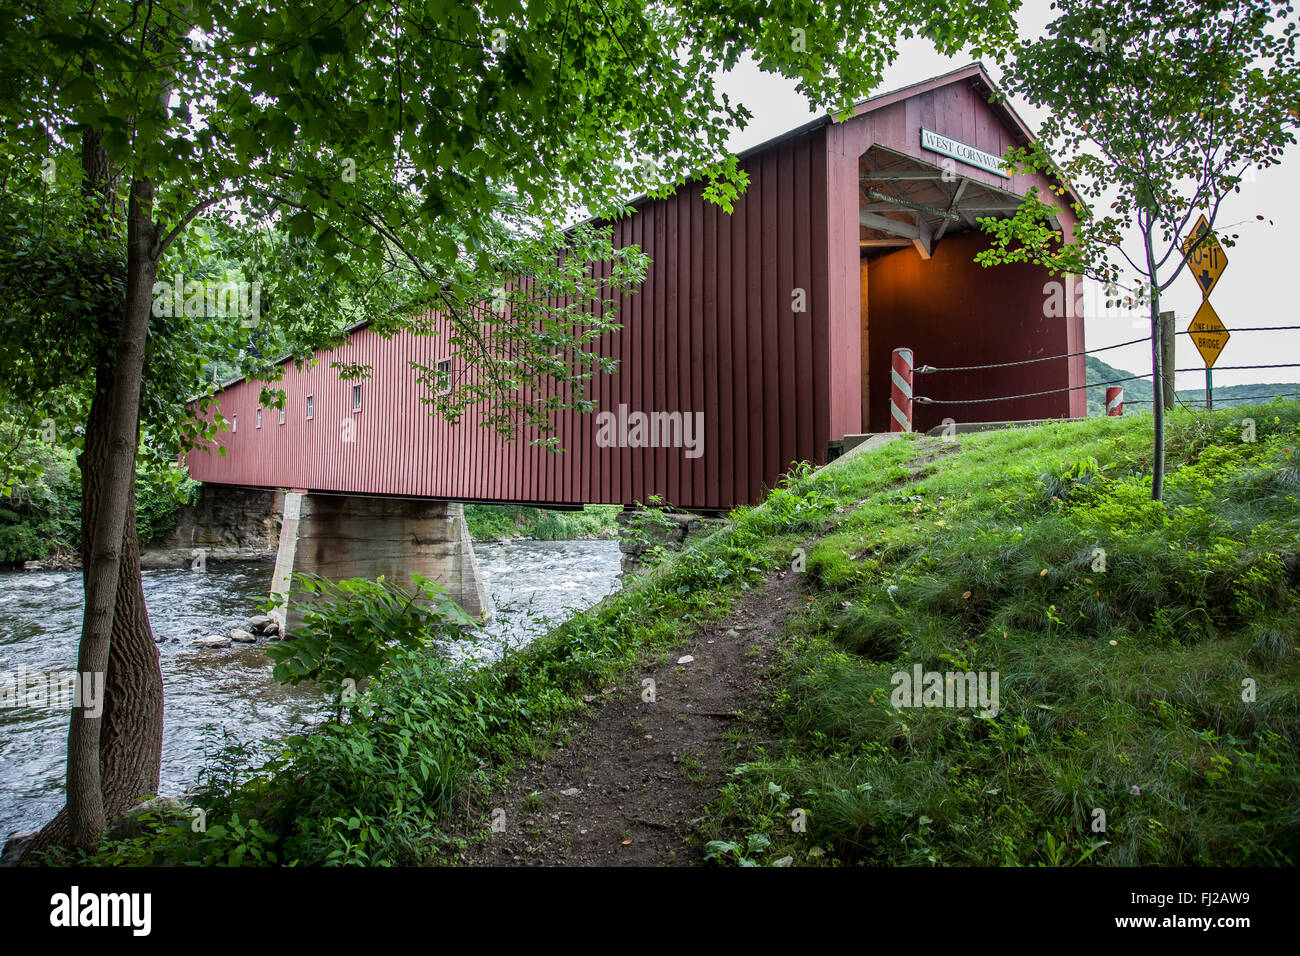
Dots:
(309, 406)
(259, 417)
(444, 376)
(356, 398)
(234, 423)
(282, 415)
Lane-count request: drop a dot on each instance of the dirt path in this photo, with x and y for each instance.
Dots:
(627, 785)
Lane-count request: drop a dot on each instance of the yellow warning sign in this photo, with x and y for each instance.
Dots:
(1208, 260)
(1208, 333)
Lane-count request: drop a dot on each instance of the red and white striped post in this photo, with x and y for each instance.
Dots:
(1114, 401)
(900, 391)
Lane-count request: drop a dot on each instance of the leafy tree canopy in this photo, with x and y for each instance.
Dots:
(1157, 111)
(385, 158)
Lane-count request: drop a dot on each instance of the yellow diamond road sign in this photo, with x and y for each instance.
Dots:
(1208, 260)
(1208, 333)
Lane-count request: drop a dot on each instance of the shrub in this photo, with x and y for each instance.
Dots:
(351, 628)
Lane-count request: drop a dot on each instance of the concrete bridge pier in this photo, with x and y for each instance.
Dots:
(355, 536)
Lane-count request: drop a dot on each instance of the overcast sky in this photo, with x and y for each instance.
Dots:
(1249, 294)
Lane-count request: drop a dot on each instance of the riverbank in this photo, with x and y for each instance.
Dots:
(206, 691)
(518, 522)
(1144, 708)
(210, 691)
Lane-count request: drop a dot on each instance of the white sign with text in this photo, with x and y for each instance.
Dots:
(938, 143)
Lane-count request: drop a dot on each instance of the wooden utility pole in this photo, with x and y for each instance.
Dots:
(1167, 342)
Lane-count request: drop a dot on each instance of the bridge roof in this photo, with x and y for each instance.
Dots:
(973, 74)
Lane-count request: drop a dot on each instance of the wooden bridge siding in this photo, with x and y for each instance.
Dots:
(718, 297)
(765, 316)
(956, 110)
(710, 330)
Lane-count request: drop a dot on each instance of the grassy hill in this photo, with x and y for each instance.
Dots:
(1157, 685)
(1138, 391)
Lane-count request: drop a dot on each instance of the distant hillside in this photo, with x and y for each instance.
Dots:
(1138, 391)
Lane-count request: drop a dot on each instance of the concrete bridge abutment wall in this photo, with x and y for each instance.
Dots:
(354, 536)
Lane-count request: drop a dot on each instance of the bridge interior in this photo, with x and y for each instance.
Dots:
(920, 288)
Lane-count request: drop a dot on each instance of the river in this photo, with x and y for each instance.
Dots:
(532, 584)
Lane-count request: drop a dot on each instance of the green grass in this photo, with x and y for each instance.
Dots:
(1110, 680)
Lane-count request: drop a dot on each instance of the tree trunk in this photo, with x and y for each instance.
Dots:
(130, 735)
(130, 742)
(86, 806)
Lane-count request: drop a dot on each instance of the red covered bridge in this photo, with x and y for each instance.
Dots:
(868, 223)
